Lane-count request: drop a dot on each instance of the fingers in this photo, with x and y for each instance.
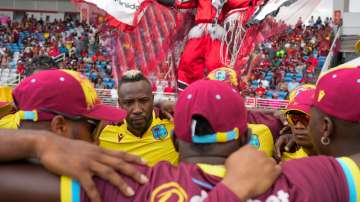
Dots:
(88, 185)
(125, 168)
(109, 174)
(125, 156)
(169, 116)
(291, 144)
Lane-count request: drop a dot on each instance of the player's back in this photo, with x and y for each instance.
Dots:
(308, 179)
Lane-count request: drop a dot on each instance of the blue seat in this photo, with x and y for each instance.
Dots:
(282, 95)
(287, 79)
(93, 75)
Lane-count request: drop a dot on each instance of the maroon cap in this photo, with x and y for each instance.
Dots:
(338, 93)
(302, 101)
(64, 92)
(216, 101)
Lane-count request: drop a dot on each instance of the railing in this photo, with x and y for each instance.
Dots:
(109, 96)
(259, 103)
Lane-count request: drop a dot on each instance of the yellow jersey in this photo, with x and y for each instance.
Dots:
(262, 138)
(155, 145)
(300, 153)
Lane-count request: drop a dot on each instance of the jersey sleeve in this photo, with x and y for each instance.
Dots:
(307, 180)
(69, 190)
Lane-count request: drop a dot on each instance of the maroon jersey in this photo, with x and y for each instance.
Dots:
(304, 180)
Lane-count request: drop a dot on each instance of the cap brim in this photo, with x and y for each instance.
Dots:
(106, 113)
(300, 108)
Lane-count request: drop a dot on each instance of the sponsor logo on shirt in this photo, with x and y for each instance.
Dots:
(199, 198)
(280, 196)
(159, 132)
(168, 191)
(120, 137)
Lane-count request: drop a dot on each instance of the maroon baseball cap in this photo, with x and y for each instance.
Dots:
(216, 101)
(338, 93)
(302, 101)
(66, 92)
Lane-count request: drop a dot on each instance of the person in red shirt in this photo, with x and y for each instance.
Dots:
(260, 91)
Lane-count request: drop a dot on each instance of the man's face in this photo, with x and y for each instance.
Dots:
(299, 124)
(137, 99)
(81, 130)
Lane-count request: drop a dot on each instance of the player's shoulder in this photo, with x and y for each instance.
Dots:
(109, 133)
(310, 179)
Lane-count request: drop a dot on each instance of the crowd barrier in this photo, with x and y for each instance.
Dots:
(109, 96)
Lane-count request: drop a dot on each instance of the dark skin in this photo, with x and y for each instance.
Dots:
(50, 151)
(137, 99)
(47, 189)
(207, 153)
(299, 125)
(343, 135)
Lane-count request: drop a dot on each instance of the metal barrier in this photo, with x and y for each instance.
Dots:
(259, 103)
(109, 96)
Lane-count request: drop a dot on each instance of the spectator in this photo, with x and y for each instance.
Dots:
(260, 91)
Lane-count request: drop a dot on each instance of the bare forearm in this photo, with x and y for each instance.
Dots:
(18, 144)
(27, 182)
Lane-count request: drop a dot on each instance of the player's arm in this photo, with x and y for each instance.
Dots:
(247, 179)
(27, 182)
(74, 158)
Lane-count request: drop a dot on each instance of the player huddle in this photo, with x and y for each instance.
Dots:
(196, 149)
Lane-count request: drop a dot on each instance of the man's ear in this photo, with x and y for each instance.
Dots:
(328, 127)
(60, 126)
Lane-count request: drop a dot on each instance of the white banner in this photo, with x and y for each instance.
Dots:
(122, 10)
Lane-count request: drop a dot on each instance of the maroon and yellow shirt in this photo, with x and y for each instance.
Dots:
(306, 180)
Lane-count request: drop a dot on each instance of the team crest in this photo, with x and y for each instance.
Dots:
(220, 75)
(254, 140)
(159, 132)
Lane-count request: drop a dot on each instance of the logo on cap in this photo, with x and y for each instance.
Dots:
(159, 132)
(321, 95)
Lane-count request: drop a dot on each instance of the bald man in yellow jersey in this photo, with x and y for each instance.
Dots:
(142, 133)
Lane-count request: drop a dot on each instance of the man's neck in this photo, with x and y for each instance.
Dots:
(140, 133)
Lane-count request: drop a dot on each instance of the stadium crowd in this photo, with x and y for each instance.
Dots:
(204, 147)
(73, 45)
(290, 59)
